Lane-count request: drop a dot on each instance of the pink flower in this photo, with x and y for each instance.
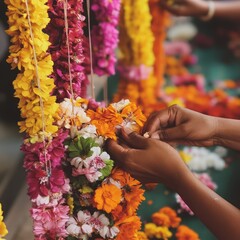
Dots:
(49, 223)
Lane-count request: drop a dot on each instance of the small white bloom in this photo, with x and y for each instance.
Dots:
(121, 104)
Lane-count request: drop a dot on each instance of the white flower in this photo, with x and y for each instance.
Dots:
(101, 223)
(183, 31)
(40, 200)
(202, 159)
(121, 104)
(79, 227)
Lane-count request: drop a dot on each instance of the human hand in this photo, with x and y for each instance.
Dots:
(148, 160)
(182, 126)
(195, 8)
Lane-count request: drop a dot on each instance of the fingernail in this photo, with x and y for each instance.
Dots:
(127, 130)
(155, 136)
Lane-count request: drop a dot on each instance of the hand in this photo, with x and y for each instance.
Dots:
(148, 160)
(195, 8)
(182, 126)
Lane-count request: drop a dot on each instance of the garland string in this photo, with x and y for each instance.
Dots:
(47, 162)
(68, 53)
(90, 50)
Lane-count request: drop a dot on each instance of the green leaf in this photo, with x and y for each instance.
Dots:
(106, 171)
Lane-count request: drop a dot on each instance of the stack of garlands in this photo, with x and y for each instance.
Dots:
(76, 192)
(141, 59)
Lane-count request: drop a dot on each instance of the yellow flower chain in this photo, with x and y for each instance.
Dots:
(136, 37)
(28, 89)
(3, 228)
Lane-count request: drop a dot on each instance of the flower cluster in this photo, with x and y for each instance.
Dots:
(164, 222)
(76, 48)
(105, 35)
(3, 228)
(32, 85)
(103, 200)
(202, 158)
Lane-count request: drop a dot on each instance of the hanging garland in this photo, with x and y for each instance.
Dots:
(105, 35)
(78, 48)
(74, 190)
(141, 53)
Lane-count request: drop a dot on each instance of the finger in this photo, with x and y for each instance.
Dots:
(133, 139)
(170, 134)
(117, 152)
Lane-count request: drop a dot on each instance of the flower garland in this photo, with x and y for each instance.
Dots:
(3, 228)
(105, 35)
(78, 52)
(164, 222)
(136, 53)
(32, 85)
(139, 62)
(103, 200)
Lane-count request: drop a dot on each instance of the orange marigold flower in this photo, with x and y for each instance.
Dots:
(105, 120)
(174, 219)
(128, 228)
(185, 233)
(133, 194)
(132, 113)
(107, 197)
(161, 219)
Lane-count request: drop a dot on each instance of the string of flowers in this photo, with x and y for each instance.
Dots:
(103, 200)
(3, 228)
(105, 35)
(136, 52)
(43, 145)
(138, 67)
(22, 57)
(78, 46)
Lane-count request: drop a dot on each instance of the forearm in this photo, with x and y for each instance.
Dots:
(228, 133)
(221, 218)
(229, 10)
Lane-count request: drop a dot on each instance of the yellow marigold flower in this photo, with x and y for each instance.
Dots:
(70, 203)
(142, 236)
(153, 231)
(107, 197)
(185, 157)
(3, 228)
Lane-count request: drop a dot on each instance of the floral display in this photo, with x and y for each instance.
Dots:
(105, 35)
(69, 48)
(3, 228)
(164, 223)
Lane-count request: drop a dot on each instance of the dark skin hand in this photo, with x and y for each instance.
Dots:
(151, 160)
(183, 126)
(227, 10)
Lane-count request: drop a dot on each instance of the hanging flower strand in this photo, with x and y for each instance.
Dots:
(105, 35)
(77, 49)
(35, 103)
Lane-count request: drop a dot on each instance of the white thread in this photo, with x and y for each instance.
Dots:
(47, 162)
(211, 11)
(90, 50)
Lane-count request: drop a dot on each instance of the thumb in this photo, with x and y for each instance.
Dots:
(170, 134)
(134, 140)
